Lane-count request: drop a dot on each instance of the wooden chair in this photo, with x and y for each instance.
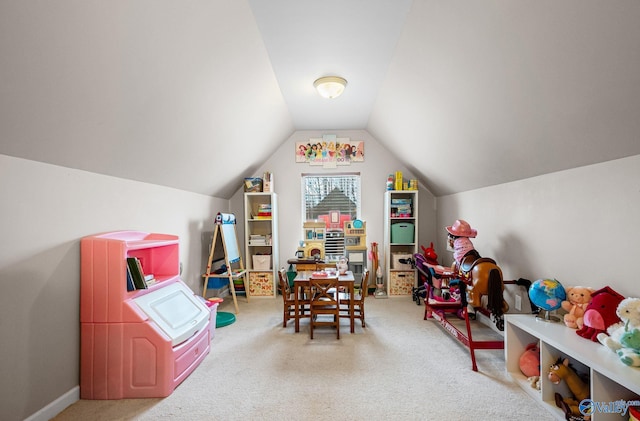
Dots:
(357, 300)
(288, 299)
(324, 303)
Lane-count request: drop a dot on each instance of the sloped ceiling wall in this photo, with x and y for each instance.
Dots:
(180, 94)
(187, 95)
(482, 93)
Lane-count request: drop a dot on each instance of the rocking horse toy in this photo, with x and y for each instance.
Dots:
(469, 273)
(482, 274)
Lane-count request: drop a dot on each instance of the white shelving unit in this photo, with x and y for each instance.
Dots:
(400, 239)
(610, 380)
(261, 239)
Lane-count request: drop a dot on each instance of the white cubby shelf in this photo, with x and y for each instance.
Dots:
(609, 379)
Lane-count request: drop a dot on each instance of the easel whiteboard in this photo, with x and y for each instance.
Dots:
(225, 225)
(228, 221)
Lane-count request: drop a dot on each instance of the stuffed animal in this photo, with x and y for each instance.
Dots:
(629, 354)
(424, 260)
(430, 254)
(530, 360)
(600, 313)
(629, 313)
(561, 370)
(578, 298)
(534, 382)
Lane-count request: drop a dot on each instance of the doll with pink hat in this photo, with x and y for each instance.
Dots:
(483, 274)
(458, 241)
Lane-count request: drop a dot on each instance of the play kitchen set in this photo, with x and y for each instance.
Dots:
(329, 240)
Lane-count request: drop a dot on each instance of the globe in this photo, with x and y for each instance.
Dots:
(547, 294)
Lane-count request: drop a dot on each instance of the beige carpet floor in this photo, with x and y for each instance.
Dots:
(399, 367)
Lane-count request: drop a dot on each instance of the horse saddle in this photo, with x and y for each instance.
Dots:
(471, 259)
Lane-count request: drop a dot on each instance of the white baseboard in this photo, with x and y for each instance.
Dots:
(57, 406)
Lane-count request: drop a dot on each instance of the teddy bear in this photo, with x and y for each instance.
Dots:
(628, 311)
(578, 298)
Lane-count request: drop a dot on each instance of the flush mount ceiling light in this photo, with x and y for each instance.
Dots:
(330, 86)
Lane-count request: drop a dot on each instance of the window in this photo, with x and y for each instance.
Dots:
(331, 198)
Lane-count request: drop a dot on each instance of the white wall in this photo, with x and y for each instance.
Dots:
(579, 226)
(378, 164)
(45, 211)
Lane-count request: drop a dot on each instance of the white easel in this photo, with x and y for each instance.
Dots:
(226, 226)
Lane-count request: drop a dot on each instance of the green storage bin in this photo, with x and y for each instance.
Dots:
(402, 232)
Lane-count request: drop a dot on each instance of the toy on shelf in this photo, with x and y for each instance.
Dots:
(578, 298)
(547, 295)
(624, 337)
(534, 382)
(562, 370)
(600, 313)
(629, 354)
(530, 360)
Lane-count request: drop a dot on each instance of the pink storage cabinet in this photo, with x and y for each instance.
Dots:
(141, 343)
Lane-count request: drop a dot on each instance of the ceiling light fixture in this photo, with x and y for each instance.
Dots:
(330, 86)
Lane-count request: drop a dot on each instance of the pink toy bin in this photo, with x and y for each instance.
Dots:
(213, 303)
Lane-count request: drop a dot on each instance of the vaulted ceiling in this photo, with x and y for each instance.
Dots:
(196, 94)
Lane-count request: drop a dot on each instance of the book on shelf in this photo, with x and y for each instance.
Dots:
(259, 240)
(134, 266)
(149, 279)
(263, 211)
(401, 210)
(130, 285)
